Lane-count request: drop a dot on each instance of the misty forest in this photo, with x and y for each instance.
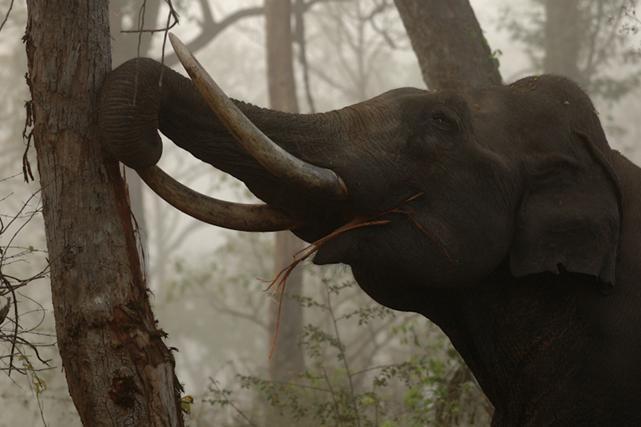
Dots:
(407, 213)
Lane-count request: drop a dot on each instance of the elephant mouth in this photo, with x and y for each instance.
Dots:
(344, 242)
(334, 247)
(340, 249)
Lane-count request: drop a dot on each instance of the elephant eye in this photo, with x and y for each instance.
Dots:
(444, 121)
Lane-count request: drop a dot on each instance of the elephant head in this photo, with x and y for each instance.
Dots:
(495, 212)
(455, 183)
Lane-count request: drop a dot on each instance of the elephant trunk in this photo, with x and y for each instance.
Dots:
(129, 112)
(141, 97)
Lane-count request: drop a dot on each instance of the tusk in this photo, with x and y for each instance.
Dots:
(235, 216)
(271, 156)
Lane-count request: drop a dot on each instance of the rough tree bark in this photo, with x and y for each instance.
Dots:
(287, 360)
(449, 42)
(118, 370)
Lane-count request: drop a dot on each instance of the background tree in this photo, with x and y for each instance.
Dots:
(583, 40)
(594, 43)
(565, 27)
(287, 360)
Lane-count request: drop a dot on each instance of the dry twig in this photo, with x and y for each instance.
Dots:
(6, 16)
(20, 339)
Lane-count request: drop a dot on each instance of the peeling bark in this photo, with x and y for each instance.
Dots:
(118, 370)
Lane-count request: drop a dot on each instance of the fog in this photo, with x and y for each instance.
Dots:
(208, 284)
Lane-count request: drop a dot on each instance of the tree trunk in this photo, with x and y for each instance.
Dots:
(563, 35)
(287, 360)
(118, 370)
(450, 45)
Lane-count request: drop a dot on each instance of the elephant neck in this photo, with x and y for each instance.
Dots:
(559, 349)
(526, 342)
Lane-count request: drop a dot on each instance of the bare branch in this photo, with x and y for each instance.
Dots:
(210, 28)
(9, 285)
(5, 304)
(6, 16)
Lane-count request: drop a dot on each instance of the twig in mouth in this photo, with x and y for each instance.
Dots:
(280, 281)
(419, 226)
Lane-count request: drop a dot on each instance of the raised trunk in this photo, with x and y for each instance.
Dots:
(450, 45)
(141, 97)
(118, 370)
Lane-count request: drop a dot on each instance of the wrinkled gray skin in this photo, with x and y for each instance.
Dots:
(522, 243)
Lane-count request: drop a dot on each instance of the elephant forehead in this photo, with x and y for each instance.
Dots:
(490, 102)
(506, 121)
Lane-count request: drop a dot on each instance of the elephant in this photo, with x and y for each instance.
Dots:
(501, 214)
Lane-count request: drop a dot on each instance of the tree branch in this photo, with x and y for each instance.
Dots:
(6, 16)
(210, 28)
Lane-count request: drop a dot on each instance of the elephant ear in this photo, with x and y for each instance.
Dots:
(570, 218)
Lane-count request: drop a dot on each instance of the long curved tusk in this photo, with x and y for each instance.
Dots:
(236, 216)
(271, 156)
